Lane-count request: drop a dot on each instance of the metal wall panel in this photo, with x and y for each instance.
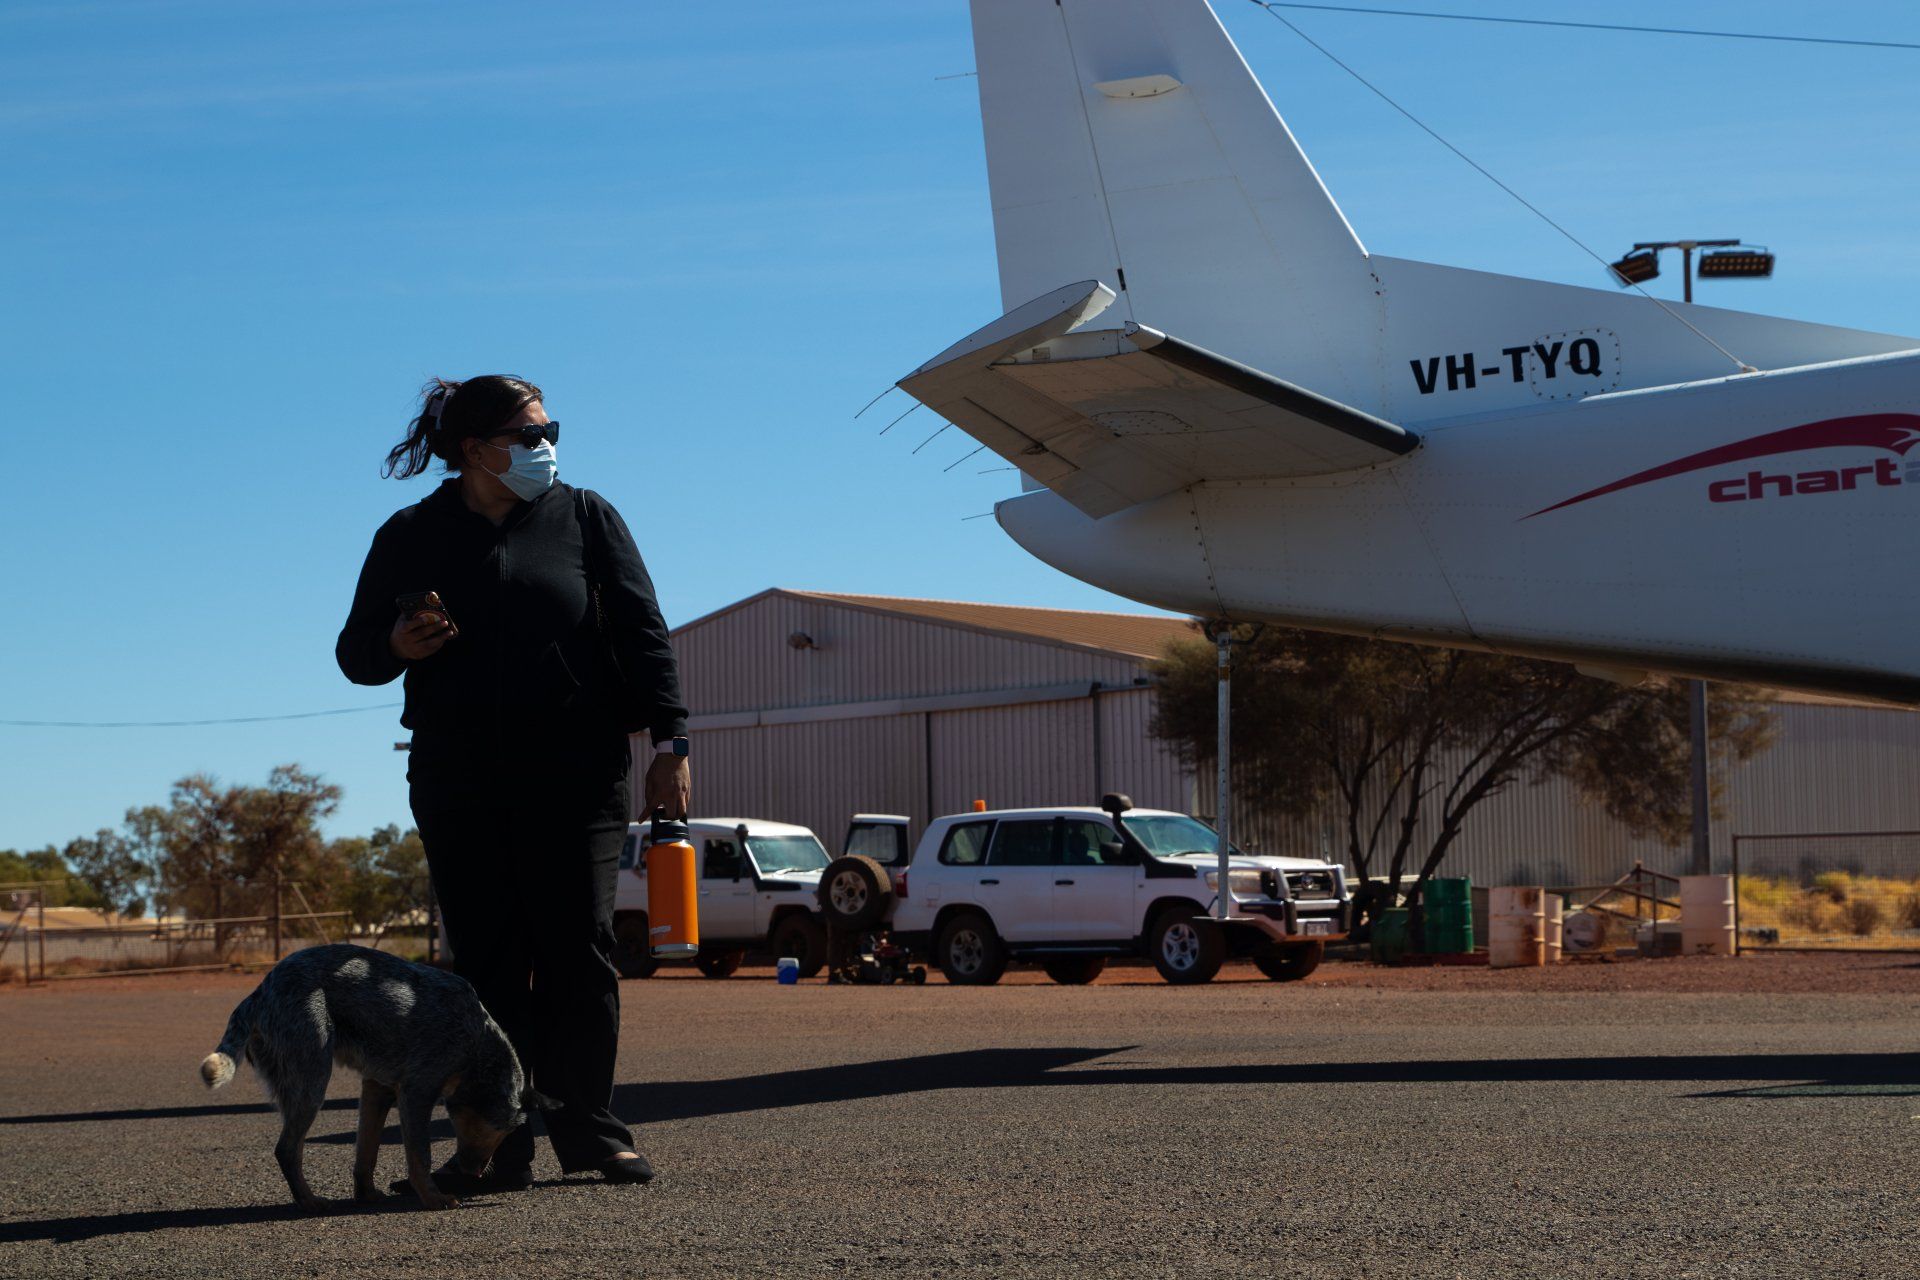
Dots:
(1037, 754)
(741, 660)
(1830, 769)
(1148, 771)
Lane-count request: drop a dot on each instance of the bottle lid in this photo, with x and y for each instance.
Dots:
(666, 831)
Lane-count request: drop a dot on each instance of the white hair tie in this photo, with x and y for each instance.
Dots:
(437, 404)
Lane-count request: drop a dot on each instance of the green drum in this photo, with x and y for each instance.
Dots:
(1390, 935)
(1449, 916)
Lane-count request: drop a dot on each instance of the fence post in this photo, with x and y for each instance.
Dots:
(1736, 895)
(42, 896)
(276, 910)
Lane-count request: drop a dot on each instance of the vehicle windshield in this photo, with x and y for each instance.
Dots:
(1168, 834)
(786, 853)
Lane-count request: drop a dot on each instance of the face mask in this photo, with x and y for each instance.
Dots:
(532, 471)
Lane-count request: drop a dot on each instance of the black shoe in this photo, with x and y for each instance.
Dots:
(632, 1170)
(455, 1181)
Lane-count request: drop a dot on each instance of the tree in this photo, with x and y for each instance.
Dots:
(1397, 734)
(108, 863)
(378, 878)
(189, 844)
(218, 852)
(46, 868)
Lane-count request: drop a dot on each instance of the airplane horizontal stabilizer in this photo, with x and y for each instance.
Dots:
(1108, 418)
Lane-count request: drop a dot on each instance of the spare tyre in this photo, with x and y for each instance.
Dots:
(854, 892)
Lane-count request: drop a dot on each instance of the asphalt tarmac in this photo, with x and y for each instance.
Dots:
(1324, 1128)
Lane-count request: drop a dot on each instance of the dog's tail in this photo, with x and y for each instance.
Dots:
(219, 1066)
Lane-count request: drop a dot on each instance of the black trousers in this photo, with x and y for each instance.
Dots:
(523, 841)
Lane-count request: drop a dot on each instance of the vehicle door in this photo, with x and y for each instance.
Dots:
(1095, 883)
(958, 868)
(630, 890)
(1020, 872)
(726, 890)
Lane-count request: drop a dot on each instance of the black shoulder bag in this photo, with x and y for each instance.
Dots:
(619, 693)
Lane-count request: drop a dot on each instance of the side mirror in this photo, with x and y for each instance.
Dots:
(1114, 853)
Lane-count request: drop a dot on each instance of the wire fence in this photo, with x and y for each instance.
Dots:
(1828, 890)
(44, 942)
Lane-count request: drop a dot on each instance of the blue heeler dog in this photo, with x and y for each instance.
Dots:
(416, 1036)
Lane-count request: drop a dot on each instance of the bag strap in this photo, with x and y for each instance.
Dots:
(590, 544)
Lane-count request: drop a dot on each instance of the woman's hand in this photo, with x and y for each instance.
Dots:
(669, 785)
(420, 638)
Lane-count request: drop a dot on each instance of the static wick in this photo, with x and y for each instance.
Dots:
(930, 439)
(957, 461)
(896, 422)
(876, 400)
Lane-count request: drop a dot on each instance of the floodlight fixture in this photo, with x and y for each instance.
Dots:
(1635, 268)
(1736, 264)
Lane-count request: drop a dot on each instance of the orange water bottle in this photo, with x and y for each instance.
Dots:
(673, 909)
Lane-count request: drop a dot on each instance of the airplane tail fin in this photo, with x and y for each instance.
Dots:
(1128, 141)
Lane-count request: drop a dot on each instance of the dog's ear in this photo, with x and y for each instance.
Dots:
(531, 1099)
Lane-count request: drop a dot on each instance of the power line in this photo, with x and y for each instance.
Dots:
(1587, 26)
(1273, 6)
(190, 724)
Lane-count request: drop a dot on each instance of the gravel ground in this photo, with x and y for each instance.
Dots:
(1751, 1117)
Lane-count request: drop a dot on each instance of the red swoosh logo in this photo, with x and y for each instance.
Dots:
(1896, 431)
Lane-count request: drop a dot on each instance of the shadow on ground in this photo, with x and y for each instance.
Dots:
(1877, 1073)
(1760, 1076)
(92, 1226)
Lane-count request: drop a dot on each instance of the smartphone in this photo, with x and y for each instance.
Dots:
(415, 603)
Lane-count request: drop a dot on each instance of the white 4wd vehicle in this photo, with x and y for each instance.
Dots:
(1068, 887)
(757, 886)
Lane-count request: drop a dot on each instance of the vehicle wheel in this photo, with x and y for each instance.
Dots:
(1075, 971)
(1290, 964)
(854, 892)
(803, 938)
(969, 951)
(1185, 949)
(720, 964)
(633, 947)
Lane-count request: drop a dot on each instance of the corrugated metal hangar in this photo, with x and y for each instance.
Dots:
(811, 706)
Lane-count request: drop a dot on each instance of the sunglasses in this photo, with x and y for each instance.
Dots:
(530, 436)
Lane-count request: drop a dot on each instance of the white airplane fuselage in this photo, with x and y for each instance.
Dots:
(1786, 561)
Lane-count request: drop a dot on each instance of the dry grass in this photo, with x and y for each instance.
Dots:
(1837, 909)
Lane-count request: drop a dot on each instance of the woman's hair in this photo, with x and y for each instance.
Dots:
(451, 412)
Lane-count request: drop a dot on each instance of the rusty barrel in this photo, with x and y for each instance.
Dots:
(1517, 921)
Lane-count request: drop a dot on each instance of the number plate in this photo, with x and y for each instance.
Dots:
(1316, 928)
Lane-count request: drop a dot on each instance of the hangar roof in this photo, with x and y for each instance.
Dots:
(1130, 635)
(1137, 634)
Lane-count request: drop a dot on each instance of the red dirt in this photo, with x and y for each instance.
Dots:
(1896, 973)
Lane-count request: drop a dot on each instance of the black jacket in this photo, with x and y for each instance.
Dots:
(527, 659)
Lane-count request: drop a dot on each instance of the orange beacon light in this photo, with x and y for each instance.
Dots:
(673, 909)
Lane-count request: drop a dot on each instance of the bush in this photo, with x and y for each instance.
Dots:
(1908, 912)
(1864, 916)
(1809, 913)
(1836, 885)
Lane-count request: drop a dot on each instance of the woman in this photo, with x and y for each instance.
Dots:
(520, 694)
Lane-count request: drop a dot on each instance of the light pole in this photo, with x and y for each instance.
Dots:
(1729, 260)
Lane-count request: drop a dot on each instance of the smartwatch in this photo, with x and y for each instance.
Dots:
(672, 746)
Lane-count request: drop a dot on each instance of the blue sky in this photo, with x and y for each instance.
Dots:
(238, 237)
